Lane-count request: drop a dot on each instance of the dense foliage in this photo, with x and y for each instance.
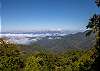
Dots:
(12, 59)
(94, 27)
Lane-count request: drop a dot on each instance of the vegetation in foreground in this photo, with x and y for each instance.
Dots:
(12, 59)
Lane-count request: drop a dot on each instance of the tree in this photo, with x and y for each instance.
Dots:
(10, 57)
(97, 3)
(94, 26)
(32, 64)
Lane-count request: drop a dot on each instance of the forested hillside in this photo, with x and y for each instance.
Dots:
(74, 52)
(77, 41)
(71, 41)
(13, 59)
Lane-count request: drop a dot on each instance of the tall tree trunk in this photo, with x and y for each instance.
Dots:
(98, 41)
(96, 65)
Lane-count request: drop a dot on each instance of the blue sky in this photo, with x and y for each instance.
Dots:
(28, 15)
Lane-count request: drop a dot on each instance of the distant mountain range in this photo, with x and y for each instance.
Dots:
(27, 37)
(74, 41)
(52, 40)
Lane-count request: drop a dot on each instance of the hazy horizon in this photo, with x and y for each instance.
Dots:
(30, 15)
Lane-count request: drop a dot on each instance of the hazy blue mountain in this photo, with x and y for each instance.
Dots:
(73, 41)
(51, 40)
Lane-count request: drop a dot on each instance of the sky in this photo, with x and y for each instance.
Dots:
(29, 15)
